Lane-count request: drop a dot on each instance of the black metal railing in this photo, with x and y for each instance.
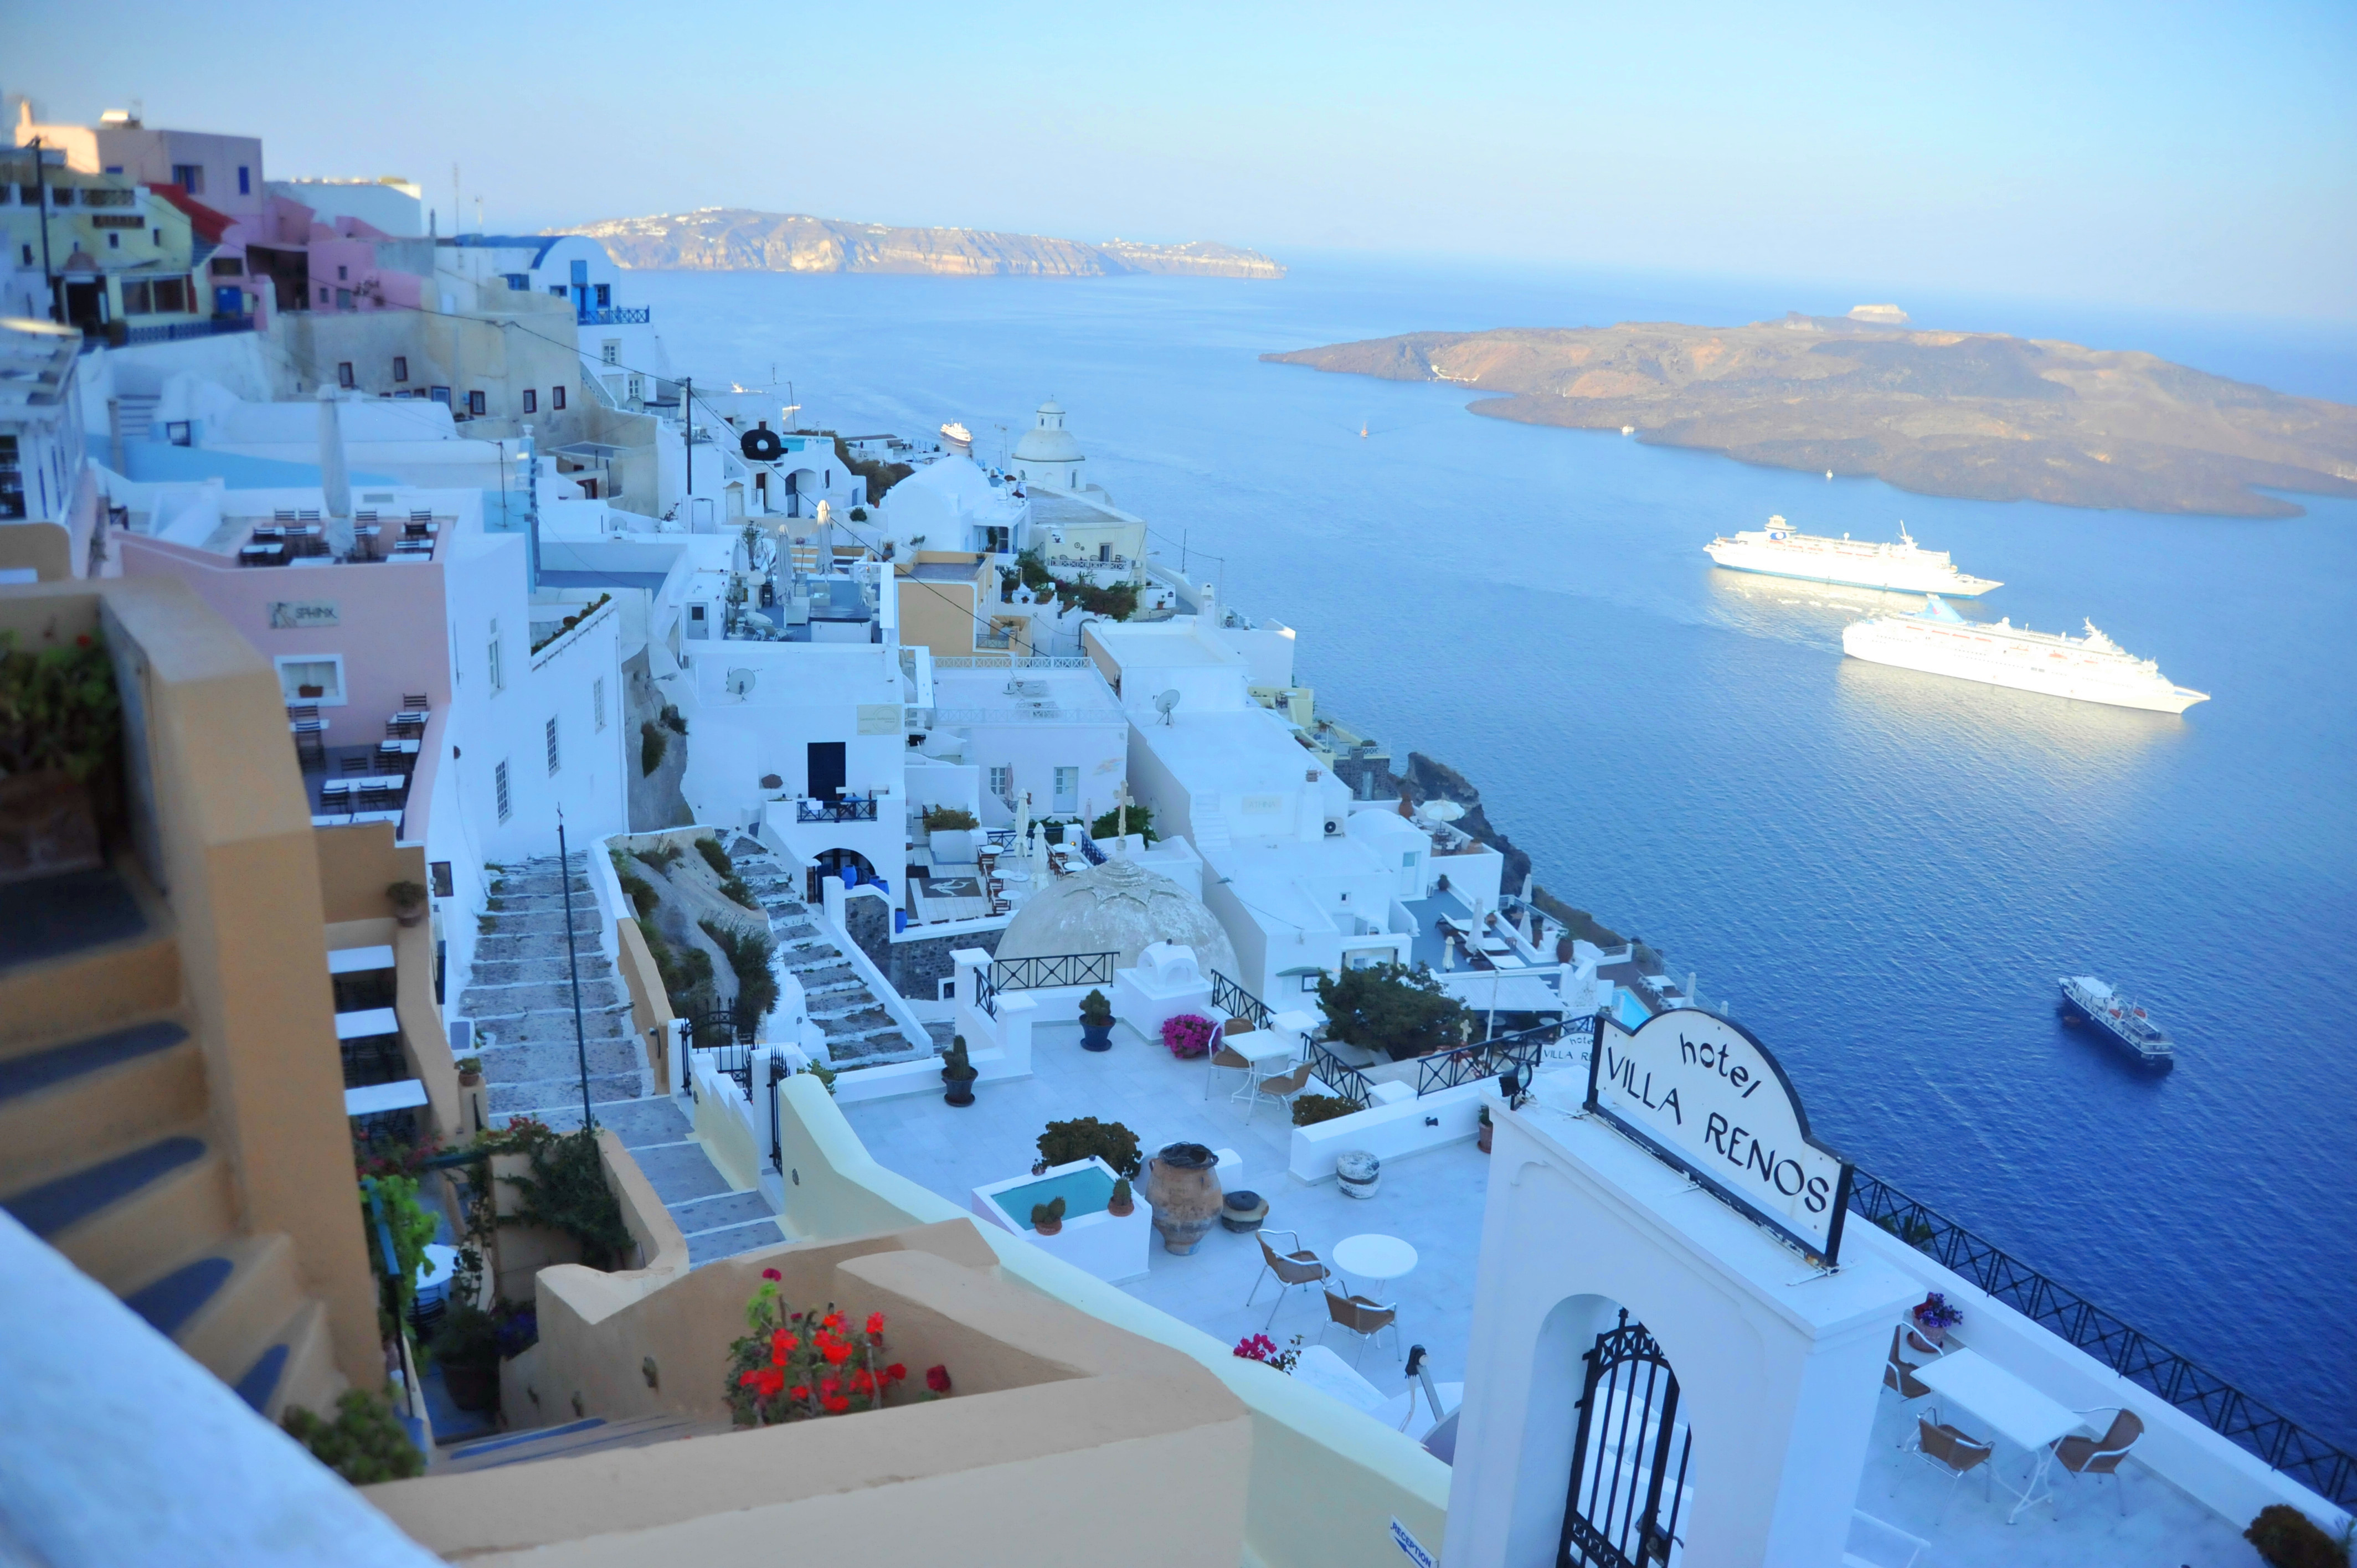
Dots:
(2278, 1440)
(730, 1037)
(1345, 1080)
(835, 811)
(1237, 1002)
(985, 992)
(1517, 1053)
(1061, 968)
(1090, 852)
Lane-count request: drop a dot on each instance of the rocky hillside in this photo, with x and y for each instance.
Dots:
(734, 239)
(1981, 415)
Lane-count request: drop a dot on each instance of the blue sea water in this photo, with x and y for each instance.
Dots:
(1885, 872)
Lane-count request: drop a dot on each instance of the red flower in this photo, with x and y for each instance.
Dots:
(836, 1405)
(749, 1379)
(799, 1391)
(82, 640)
(876, 1323)
(836, 1352)
(830, 1385)
(771, 1275)
(938, 1379)
(766, 1382)
(896, 1372)
(833, 1320)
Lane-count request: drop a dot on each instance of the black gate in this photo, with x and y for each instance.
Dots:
(732, 1038)
(1629, 1470)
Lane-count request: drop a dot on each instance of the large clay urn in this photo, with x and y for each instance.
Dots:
(1182, 1185)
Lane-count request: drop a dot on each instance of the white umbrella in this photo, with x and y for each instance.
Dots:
(1449, 952)
(335, 479)
(1023, 822)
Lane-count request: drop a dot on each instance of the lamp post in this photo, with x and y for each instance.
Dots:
(573, 962)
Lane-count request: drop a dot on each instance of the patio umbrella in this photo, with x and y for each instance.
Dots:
(335, 478)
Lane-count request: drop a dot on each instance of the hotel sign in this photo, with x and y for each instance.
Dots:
(300, 614)
(1704, 1096)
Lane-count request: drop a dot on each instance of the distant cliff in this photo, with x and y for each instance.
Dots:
(734, 239)
(1975, 415)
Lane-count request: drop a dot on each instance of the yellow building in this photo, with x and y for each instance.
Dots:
(98, 252)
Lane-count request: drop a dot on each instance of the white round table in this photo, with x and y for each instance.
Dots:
(1374, 1258)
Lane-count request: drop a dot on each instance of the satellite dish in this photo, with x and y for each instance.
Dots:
(1166, 703)
(1440, 810)
(740, 682)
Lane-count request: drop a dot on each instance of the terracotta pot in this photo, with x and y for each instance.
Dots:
(1122, 1210)
(470, 1080)
(1936, 1334)
(1182, 1187)
(1483, 1141)
(409, 917)
(1051, 1227)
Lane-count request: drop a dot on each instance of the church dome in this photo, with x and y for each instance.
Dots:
(1047, 441)
(1119, 907)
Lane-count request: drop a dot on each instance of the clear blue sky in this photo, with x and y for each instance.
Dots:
(2148, 156)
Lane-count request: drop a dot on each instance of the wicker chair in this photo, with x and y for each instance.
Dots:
(1298, 1267)
(1364, 1318)
(1953, 1453)
(1281, 1088)
(2102, 1456)
(1223, 1057)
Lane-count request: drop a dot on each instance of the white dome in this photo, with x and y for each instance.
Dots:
(1047, 441)
(1119, 907)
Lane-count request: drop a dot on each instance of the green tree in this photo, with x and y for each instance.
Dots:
(1393, 1009)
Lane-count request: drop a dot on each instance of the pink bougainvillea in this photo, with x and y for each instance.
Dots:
(1188, 1034)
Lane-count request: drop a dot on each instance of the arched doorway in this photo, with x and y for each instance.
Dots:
(831, 863)
(1629, 1462)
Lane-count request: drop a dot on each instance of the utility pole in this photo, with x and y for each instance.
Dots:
(573, 962)
(48, 273)
(687, 429)
(457, 217)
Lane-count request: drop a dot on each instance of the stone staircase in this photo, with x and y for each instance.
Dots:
(594, 1436)
(519, 996)
(858, 1029)
(109, 1154)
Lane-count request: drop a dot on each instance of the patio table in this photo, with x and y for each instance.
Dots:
(2018, 1411)
(1376, 1258)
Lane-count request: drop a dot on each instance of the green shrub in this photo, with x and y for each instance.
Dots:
(469, 1336)
(58, 709)
(1048, 1213)
(749, 954)
(653, 745)
(567, 1192)
(1393, 1009)
(672, 720)
(642, 893)
(364, 1445)
(663, 857)
(1095, 1010)
(1308, 1109)
(950, 820)
(1083, 1137)
(2288, 1538)
(687, 975)
(411, 1228)
(1137, 819)
(716, 857)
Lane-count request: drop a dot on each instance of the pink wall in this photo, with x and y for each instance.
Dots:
(390, 626)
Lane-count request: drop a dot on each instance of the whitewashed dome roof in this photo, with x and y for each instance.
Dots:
(1119, 907)
(1047, 441)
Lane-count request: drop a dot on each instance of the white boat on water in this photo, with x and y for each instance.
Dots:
(1904, 567)
(2087, 1000)
(2090, 668)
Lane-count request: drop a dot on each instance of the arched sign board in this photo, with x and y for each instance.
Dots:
(1704, 1096)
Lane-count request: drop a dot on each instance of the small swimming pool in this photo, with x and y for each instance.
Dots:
(1083, 1192)
(1631, 1011)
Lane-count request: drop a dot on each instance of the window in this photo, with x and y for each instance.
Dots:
(1104, 552)
(12, 481)
(530, 401)
(1002, 782)
(493, 664)
(557, 289)
(598, 701)
(190, 177)
(500, 789)
(228, 266)
(476, 403)
(313, 678)
(440, 395)
(1068, 788)
(344, 372)
(343, 299)
(28, 254)
(323, 294)
(556, 398)
(610, 350)
(401, 367)
(113, 241)
(438, 875)
(343, 273)
(552, 747)
(520, 282)
(605, 296)
(1310, 983)
(637, 389)
(244, 180)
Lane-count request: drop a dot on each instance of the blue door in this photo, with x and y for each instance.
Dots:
(229, 300)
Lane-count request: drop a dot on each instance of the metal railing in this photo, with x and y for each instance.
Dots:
(986, 993)
(1062, 969)
(1237, 1002)
(1012, 662)
(180, 331)
(1090, 852)
(1517, 1053)
(1036, 713)
(614, 315)
(2278, 1440)
(729, 1037)
(1337, 1075)
(835, 811)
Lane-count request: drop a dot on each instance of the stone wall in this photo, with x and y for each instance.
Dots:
(919, 965)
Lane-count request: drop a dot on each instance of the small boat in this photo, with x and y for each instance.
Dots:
(2088, 1000)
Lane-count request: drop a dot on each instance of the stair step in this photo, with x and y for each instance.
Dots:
(58, 1000)
(47, 918)
(711, 1246)
(595, 1434)
(720, 1211)
(170, 1301)
(305, 1358)
(41, 1069)
(54, 1205)
(261, 1380)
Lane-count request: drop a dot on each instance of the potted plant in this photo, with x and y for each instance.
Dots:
(1122, 1203)
(958, 1072)
(1482, 1138)
(466, 1349)
(1048, 1219)
(1096, 1021)
(1934, 1317)
(60, 757)
(408, 901)
(1188, 1035)
(471, 1072)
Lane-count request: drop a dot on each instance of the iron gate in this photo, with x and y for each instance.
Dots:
(731, 1038)
(1629, 1468)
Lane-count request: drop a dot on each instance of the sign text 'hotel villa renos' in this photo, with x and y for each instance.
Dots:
(1704, 1095)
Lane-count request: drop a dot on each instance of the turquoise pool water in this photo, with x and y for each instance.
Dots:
(1625, 1007)
(1083, 1192)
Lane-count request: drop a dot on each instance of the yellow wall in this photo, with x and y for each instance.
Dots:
(938, 616)
(46, 547)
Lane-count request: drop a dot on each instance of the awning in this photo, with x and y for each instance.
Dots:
(378, 1098)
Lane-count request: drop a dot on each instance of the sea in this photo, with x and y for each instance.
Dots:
(1882, 872)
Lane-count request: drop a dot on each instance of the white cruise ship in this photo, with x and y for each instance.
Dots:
(2092, 669)
(1905, 567)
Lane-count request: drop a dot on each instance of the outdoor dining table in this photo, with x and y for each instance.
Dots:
(2020, 1412)
(1375, 1258)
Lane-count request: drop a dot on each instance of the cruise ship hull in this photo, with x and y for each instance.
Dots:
(1898, 577)
(1993, 662)
(2156, 1051)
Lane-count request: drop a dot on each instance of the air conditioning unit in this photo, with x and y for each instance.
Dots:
(1333, 827)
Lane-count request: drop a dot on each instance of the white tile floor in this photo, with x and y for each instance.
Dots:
(1435, 1201)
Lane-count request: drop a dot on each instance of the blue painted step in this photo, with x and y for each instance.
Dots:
(261, 1380)
(540, 1434)
(178, 1296)
(24, 1075)
(51, 1208)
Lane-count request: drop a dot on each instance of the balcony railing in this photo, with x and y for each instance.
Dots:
(835, 811)
(180, 331)
(1345, 1080)
(615, 315)
(1237, 1002)
(1516, 1053)
(2278, 1440)
(1061, 968)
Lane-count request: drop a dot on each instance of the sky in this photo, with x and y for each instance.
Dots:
(2146, 156)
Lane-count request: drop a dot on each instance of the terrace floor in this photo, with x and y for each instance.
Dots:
(1435, 1201)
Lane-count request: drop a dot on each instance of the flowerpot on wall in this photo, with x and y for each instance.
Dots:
(1483, 1141)
(1096, 1036)
(1182, 1187)
(47, 826)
